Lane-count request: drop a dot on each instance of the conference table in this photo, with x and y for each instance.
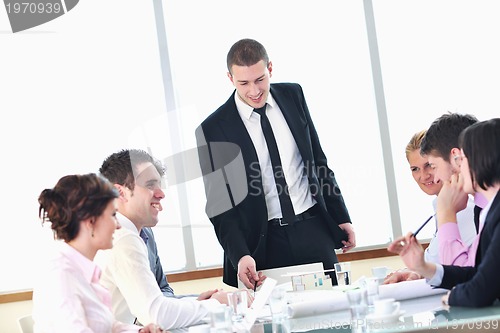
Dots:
(426, 313)
(421, 310)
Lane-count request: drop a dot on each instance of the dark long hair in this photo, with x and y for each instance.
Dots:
(481, 145)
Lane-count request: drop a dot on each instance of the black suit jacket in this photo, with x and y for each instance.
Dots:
(235, 201)
(479, 285)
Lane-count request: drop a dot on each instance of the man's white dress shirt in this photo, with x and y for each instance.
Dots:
(134, 290)
(291, 160)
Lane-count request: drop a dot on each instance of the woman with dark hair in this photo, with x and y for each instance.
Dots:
(69, 298)
(479, 163)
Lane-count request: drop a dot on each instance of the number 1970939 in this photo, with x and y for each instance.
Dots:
(33, 8)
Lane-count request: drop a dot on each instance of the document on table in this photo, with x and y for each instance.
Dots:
(408, 289)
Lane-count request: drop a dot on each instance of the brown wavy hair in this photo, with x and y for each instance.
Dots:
(74, 199)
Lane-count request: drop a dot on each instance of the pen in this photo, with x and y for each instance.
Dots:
(254, 288)
(423, 225)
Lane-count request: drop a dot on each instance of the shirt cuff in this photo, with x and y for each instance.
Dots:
(210, 303)
(437, 279)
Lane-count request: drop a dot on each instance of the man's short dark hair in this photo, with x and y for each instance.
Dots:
(121, 167)
(246, 52)
(443, 134)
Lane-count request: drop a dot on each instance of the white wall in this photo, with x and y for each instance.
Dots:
(72, 92)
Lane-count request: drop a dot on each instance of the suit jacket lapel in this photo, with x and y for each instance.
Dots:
(490, 222)
(235, 131)
(494, 212)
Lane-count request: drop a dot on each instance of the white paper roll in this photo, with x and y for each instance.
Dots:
(319, 302)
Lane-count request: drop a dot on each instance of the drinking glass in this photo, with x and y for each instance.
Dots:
(238, 303)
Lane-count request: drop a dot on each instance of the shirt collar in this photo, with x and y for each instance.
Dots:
(246, 110)
(91, 272)
(486, 208)
(480, 200)
(126, 223)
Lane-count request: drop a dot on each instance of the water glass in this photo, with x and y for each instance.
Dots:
(238, 303)
(220, 320)
(281, 325)
(371, 285)
(278, 303)
(358, 305)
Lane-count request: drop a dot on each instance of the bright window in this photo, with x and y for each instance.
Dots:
(92, 82)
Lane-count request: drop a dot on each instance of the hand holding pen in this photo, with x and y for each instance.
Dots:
(399, 244)
(403, 243)
(247, 272)
(412, 253)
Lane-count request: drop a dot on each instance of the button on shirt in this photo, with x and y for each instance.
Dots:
(291, 160)
(134, 289)
(69, 298)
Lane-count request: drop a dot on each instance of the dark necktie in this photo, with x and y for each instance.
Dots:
(279, 177)
(477, 210)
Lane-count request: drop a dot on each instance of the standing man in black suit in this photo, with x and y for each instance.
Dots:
(271, 196)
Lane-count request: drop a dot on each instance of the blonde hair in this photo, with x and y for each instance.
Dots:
(415, 142)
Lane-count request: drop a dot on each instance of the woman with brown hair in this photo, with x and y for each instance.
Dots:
(68, 297)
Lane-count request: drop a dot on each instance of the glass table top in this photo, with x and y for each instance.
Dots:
(417, 314)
